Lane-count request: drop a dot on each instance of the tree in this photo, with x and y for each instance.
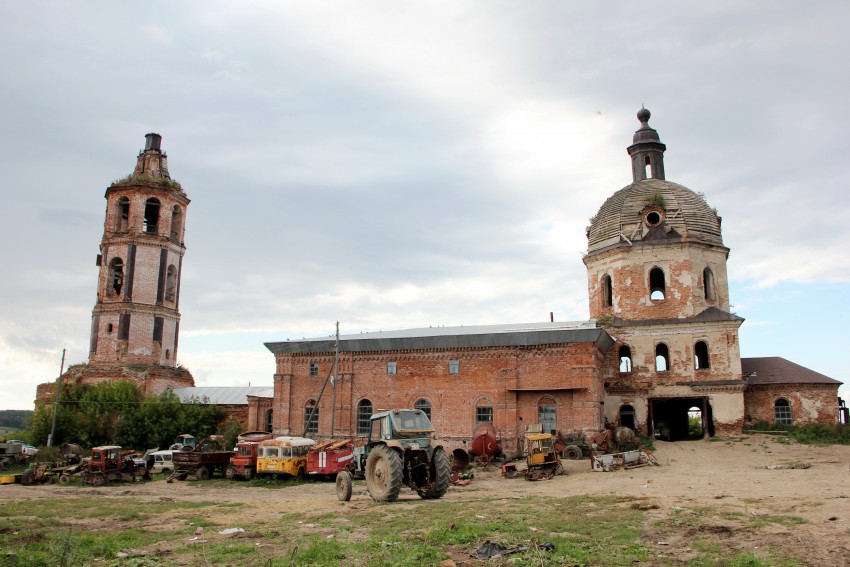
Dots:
(160, 419)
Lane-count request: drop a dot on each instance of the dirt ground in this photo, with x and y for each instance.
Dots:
(732, 476)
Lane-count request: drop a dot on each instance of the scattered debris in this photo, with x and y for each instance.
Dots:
(493, 549)
(787, 466)
(229, 531)
(627, 460)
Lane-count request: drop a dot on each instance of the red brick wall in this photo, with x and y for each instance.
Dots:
(810, 403)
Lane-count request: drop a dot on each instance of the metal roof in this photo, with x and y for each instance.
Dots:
(476, 336)
(777, 370)
(223, 395)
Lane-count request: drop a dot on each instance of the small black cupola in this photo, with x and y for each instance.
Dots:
(646, 151)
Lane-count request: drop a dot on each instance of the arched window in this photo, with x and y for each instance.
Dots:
(269, 416)
(625, 359)
(708, 283)
(627, 416)
(607, 291)
(151, 223)
(701, 360)
(424, 405)
(782, 412)
(547, 415)
(656, 284)
(484, 411)
(170, 283)
(176, 221)
(116, 276)
(364, 412)
(662, 358)
(311, 417)
(122, 214)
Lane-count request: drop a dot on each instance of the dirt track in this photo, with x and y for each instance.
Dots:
(729, 475)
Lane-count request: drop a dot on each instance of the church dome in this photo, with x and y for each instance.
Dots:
(652, 208)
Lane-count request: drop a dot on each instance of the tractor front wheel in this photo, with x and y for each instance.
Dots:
(343, 486)
(26, 478)
(383, 474)
(230, 473)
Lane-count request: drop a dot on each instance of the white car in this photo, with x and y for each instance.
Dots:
(26, 449)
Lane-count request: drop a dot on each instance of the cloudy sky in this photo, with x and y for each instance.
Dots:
(392, 165)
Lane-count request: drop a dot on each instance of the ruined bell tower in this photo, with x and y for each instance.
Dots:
(135, 323)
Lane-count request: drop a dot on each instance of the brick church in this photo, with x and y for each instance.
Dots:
(661, 345)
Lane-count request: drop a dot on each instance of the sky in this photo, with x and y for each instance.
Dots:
(393, 165)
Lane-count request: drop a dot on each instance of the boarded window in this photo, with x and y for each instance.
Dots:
(454, 366)
(311, 417)
(484, 412)
(547, 416)
(708, 284)
(391, 368)
(607, 292)
(314, 369)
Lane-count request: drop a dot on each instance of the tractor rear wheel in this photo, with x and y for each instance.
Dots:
(203, 473)
(572, 452)
(441, 475)
(343, 486)
(383, 474)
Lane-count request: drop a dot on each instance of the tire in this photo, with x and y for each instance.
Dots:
(230, 473)
(572, 452)
(343, 486)
(383, 474)
(441, 476)
(64, 479)
(203, 473)
(26, 478)
(98, 480)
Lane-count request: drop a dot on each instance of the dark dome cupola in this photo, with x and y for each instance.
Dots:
(647, 151)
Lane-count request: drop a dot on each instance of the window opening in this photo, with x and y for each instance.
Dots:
(662, 358)
(625, 359)
(311, 424)
(484, 412)
(701, 359)
(782, 412)
(176, 221)
(607, 291)
(647, 170)
(364, 412)
(391, 368)
(167, 354)
(151, 216)
(314, 369)
(547, 416)
(454, 366)
(708, 283)
(170, 283)
(116, 275)
(109, 328)
(122, 214)
(656, 284)
(627, 416)
(424, 405)
(269, 416)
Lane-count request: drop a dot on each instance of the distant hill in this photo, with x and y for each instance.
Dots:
(14, 418)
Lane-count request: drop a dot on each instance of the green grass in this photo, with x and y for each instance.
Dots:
(584, 530)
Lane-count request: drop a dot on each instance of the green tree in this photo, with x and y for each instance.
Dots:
(160, 419)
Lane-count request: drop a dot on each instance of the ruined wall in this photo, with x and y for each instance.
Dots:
(810, 403)
(151, 380)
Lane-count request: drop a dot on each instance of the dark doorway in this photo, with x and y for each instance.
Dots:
(671, 418)
(627, 416)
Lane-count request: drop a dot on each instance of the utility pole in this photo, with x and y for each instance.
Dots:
(56, 400)
(336, 377)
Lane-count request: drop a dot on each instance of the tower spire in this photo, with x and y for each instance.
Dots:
(646, 151)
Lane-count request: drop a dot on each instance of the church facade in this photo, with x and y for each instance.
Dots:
(661, 345)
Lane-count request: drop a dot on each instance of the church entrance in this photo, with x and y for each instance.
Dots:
(680, 419)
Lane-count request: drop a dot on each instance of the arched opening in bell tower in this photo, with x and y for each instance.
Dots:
(656, 284)
(151, 224)
(116, 276)
(122, 214)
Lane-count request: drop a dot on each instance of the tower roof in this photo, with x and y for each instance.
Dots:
(652, 208)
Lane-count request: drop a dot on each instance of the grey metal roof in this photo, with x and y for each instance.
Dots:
(481, 336)
(224, 395)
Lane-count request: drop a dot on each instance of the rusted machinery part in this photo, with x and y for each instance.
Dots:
(573, 452)
(203, 473)
(64, 478)
(343, 486)
(98, 479)
(230, 473)
(26, 478)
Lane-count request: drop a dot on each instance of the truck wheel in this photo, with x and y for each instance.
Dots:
(572, 452)
(230, 473)
(343, 486)
(383, 474)
(441, 475)
(203, 473)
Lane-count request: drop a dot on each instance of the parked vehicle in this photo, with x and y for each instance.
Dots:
(330, 457)
(401, 450)
(244, 463)
(163, 462)
(203, 461)
(27, 449)
(284, 456)
(107, 464)
(184, 442)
